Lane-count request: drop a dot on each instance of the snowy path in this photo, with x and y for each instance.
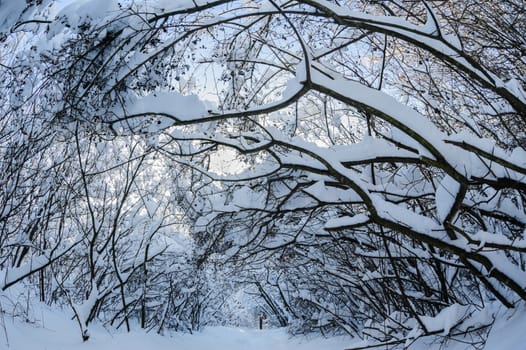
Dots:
(216, 338)
(55, 331)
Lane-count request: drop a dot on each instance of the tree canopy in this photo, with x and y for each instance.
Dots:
(355, 166)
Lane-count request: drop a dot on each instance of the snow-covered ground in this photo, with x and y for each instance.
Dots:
(55, 331)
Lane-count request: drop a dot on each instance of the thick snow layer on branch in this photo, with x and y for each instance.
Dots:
(77, 11)
(330, 194)
(426, 36)
(34, 264)
(167, 109)
(399, 114)
(246, 198)
(467, 162)
(387, 20)
(370, 149)
(346, 221)
(179, 106)
(408, 218)
(170, 5)
(445, 196)
(485, 237)
(500, 262)
(517, 156)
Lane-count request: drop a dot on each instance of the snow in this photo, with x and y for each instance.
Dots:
(509, 332)
(371, 148)
(417, 127)
(395, 22)
(170, 5)
(76, 11)
(329, 194)
(514, 86)
(393, 111)
(500, 262)
(346, 221)
(8, 15)
(52, 329)
(55, 330)
(14, 274)
(446, 319)
(424, 35)
(182, 107)
(445, 196)
(35, 263)
(245, 197)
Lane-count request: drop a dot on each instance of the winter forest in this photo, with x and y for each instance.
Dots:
(349, 168)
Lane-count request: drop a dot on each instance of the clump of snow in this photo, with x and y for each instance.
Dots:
(295, 84)
(182, 107)
(329, 194)
(448, 318)
(76, 11)
(346, 221)
(245, 197)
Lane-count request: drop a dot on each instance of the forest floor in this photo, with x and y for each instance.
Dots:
(56, 331)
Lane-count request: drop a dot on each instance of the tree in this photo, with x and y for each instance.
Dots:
(375, 140)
